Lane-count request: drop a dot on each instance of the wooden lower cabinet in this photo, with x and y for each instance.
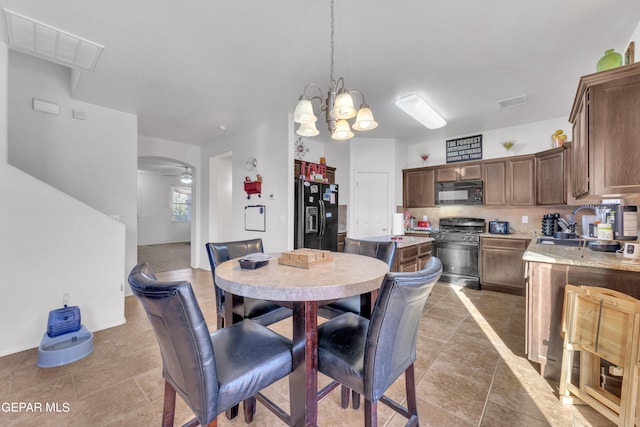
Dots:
(544, 304)
(412, 258)
(501, 264)
(341, 237)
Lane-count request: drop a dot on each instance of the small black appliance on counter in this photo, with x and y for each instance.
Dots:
(499, 227)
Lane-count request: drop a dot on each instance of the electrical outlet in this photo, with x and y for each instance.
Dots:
(525, 219)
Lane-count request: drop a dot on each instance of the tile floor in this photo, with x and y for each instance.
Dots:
(470, 371)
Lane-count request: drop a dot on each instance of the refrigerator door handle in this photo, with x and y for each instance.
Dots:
(323, 219)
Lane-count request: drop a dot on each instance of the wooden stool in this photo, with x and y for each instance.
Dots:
(601, 324)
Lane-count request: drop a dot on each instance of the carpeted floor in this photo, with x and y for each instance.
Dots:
(167, 256)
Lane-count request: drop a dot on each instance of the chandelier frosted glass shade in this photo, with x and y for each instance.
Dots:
(304, 112)
(364, 120)
(308, 129)
(342, 131)
(343, 107)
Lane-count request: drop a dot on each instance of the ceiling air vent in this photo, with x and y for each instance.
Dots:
(44, 41)
(512, 102)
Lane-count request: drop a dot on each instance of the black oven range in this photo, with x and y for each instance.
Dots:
(457, 244)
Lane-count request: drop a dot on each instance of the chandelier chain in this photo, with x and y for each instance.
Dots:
(332, 80)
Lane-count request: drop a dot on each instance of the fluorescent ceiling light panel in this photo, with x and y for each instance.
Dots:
(417, 108)
(44, 41)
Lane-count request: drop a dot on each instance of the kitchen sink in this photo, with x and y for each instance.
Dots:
(562, 242)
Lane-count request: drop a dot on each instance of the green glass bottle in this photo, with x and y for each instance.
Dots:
(611, 59)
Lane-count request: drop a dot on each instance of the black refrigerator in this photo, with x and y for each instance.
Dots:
(316, 215)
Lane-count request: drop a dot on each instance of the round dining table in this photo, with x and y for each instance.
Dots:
(303, 290)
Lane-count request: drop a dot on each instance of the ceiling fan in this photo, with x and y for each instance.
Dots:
(186, 177)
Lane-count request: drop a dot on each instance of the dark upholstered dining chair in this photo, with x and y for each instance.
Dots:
(263, 312)
(211, 372)
(384, 251)
(369, 355)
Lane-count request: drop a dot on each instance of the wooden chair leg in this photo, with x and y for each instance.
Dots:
(355, 396)
(249, 406)
(344, 396)
(370, 413)
(213, 423)
(232, 412)
(220, 322)
(169, 406)
(410, 383)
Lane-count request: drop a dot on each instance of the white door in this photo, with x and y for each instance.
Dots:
(372, 204)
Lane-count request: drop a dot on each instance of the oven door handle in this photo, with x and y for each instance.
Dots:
(441, 243)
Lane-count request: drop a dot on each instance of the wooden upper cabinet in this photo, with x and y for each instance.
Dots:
(579, 175)
(521, 179)
(550, 177)
(459, 173)
(446, 175)
(606, 119)
(494, 175)
(470, 173)
(418, 188)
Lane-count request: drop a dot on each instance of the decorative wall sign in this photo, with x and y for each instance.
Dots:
(463, 149)
(313, 171)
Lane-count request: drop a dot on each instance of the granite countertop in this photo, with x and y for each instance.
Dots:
(403, 241)
(510, 236)
(420, 232)
(571, 255)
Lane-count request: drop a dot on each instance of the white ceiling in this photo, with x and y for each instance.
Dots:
(187, 67)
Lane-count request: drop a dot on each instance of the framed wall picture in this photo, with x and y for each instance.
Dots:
(629, 54)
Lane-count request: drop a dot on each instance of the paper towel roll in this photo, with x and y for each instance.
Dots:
(397, 228)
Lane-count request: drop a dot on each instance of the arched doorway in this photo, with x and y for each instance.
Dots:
(165, 213)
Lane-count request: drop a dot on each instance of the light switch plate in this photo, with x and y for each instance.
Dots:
(525, 219)
(46, 106)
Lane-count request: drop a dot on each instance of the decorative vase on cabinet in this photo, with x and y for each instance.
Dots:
(611, 59)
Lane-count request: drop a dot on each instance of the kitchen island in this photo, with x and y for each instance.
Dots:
(549, 268)
(412, 252)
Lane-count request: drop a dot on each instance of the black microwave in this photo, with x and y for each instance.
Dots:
(458, 193)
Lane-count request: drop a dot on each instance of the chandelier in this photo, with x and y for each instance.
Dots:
(338, 107)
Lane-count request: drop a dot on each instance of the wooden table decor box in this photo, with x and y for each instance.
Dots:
(305, 258)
